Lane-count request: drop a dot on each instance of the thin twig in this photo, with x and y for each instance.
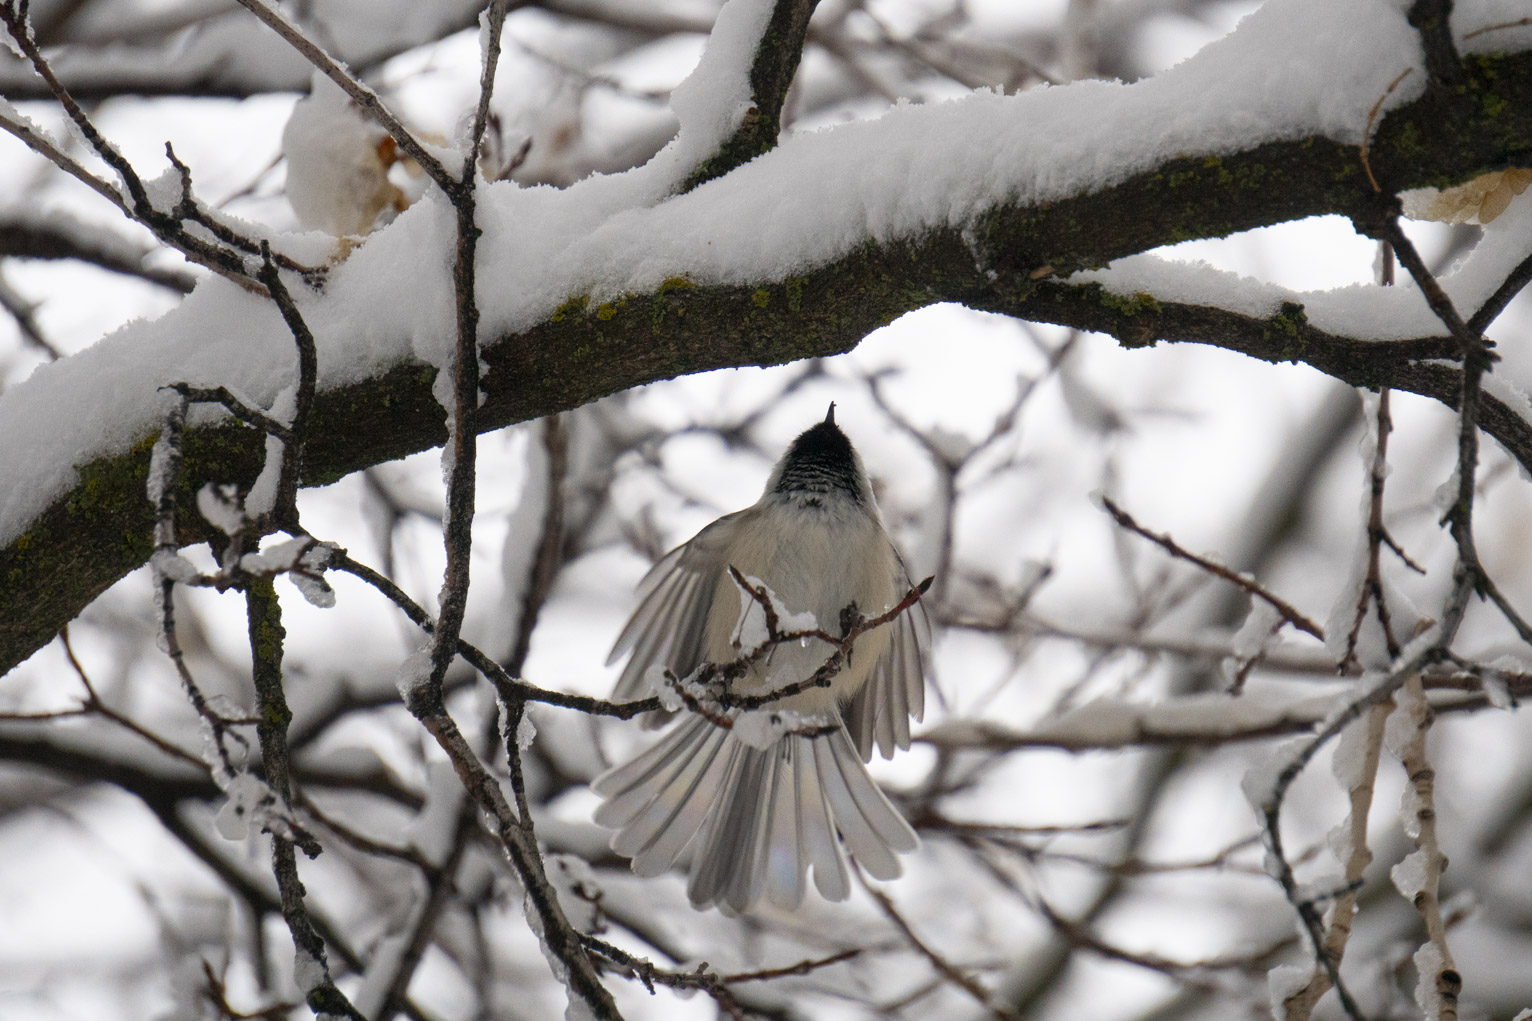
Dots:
(949, 971)
(266, 640)
(1372, 116)
(1289, 613)
(1437, 993)
(511, 688)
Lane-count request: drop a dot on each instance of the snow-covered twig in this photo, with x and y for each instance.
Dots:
(1415, 657)
(555, 932)
(1357, 769)
(312, 971)
(167, 568)
(137, 204)
(1371, 590)
(1477, 357)
(1418, 877)
(703, 978)
(1354, 853)
(460, 452)
(290, 449)
(712, 673)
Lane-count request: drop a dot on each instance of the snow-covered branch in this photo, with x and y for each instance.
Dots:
(817, 254)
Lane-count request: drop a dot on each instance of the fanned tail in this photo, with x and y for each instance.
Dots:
(752, 820)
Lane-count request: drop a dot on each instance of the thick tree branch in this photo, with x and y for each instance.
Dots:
(102, 529)
(776, 61)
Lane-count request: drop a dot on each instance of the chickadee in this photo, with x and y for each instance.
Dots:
(752, 813)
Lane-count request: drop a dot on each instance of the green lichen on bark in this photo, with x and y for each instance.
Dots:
(98, 532)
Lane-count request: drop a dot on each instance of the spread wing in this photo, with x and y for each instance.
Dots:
(896, 689)
(675, 598)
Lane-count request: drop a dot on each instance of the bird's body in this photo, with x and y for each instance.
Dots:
(754, 812)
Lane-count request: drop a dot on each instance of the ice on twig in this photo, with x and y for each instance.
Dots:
(308, 575)
(414, 671)
(247, 801)
(1410, 876)
(261, 500)
(751, 631)
(578, 889)
(659, 681)
(762, 728)
(1284, 982)
(526, 731)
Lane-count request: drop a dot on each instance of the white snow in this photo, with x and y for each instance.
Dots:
(247, 803)
(762, 728)
(308, 971)
(1361, 311)
(1410, 875)
(278, 557)
(219, 507)
(523, 533)
(750, 631)
(337, 181)
(1284, 982)
(262, 498)
(432, 830)
(387, 955)
(816, 197)
(1428, 963)
(1259, 628)
(659, 684)
(1259, 783)
(309, 578)
(414, 671)
(526, 731)
(1349, 760)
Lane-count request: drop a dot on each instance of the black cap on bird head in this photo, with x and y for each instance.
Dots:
(821, 460)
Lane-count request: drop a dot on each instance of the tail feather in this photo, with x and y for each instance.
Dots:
(784, 836)
(752, 821)
(819, 846)
(871, 827)
(661, 798)
(726, 868)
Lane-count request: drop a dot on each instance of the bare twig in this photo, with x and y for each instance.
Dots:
(1289, 613)
(1477, 355)
(166, 226)
(949, 971)
(511, 688)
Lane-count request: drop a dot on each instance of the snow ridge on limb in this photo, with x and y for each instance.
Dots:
(881, 243)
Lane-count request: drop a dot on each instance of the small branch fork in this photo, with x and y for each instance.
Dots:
(226, 255)
(1300, 1005)
(1430, 647)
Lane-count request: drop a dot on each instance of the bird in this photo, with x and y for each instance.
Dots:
(750, 801)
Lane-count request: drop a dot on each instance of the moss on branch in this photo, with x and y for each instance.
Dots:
(101, 530)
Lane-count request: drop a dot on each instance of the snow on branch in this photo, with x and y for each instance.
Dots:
(828, 236)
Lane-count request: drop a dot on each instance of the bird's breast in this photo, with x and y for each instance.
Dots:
(815, 560)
